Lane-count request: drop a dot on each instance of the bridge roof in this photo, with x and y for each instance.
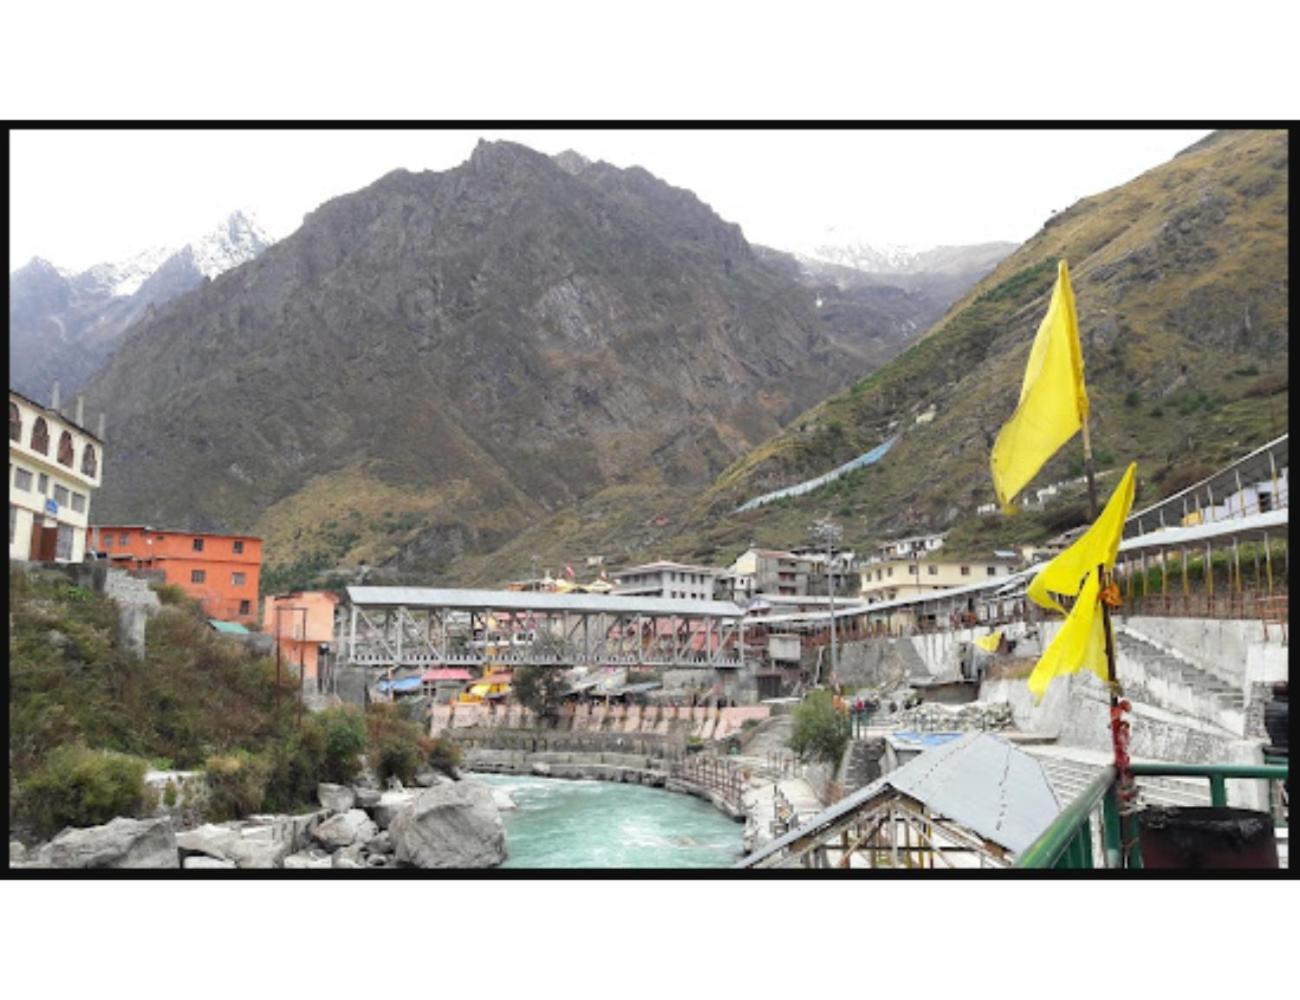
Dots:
(532, 600)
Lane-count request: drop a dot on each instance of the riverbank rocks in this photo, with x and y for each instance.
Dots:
(502, 799)
(929, 717)
(203, 861)
(257, 845)
(389, 805)
(121, 843)
(345, 829)
(541, 768)
(335, 798)
(451, 825)
(367, 798)
(313, 858)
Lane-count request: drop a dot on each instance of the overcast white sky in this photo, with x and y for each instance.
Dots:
(78, 198)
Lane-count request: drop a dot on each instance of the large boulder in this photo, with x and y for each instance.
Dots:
(121, 843)
(246, 845)
(349, 857)
(367, 798)
(502, 799)
(452, 825)
(314, 858)
(203, 861)
(390, 804)
(345, 829)
(335, 798)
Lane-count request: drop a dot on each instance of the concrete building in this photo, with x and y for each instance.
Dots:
(220, 571)
(54, 466)
(670, 580)
(769, 571)
(302, 625)
(896, 578)
(905, 548)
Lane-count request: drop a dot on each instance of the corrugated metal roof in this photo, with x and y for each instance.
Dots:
(980, 782)
(447, 674)
(531, 600)
(229, 628)
(1172, 537)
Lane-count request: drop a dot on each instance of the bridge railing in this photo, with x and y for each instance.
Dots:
(1069, 841)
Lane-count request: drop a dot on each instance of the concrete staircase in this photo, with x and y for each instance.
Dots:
(1168, 681)
(1069, 775)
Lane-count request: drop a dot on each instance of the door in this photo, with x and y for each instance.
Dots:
(46, 544)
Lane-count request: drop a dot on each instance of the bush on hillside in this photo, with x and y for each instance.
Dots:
(442, 754)
(237, 784)
(81, 787)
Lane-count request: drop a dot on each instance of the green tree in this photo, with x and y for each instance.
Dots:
(820, 732)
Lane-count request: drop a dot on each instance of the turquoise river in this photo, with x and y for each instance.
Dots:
(558, 823)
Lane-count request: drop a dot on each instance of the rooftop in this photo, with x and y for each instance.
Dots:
(57, 415)
(525, 600)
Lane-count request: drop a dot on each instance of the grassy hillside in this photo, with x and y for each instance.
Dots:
(1181, 282)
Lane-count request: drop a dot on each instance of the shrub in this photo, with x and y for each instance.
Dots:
(442, 755)
(81, 787)
(236, 784)
(344, 731)
(820, 732)
(393, 743)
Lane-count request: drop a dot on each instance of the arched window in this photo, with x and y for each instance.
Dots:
(65, 449)
(40, 436)
(15, 423)
(88, 462)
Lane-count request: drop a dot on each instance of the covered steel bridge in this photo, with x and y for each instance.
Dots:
(423, 626)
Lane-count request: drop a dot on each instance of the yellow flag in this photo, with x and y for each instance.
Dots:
(1081, 642)
(1053, 401)
(990, 642)
(1099, 544)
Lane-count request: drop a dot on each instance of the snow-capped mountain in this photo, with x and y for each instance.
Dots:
(64, 325)
(894, 258)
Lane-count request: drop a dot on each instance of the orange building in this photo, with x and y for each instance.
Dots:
(301, 622)
(220, 571)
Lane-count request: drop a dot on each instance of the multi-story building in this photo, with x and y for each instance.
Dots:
(671, 580)
(302, 624)
(54, 466)
(769, 571)
(220, 571)
(895, 578)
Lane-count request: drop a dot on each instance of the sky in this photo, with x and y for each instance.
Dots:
(79, 198)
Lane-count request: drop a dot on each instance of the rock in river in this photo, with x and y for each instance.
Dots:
(121, 843)
(452, 825)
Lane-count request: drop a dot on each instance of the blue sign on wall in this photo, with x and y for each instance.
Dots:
(51, 506)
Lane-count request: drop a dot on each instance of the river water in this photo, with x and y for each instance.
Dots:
(558, 823)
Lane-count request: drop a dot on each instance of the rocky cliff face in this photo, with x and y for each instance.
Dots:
(435, 361)
(64, 326)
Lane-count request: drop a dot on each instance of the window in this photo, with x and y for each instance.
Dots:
(15, 432)
(89, 463)
(79, 502)
(236, 579)
(912, 570)
(108, 541)
(198, 576)
(22, 479)
(245, 607)
(889, 571)
(965, 571)
(13, 511)
(61, 495)
(40, 436)
(124, 539)
(42, 484)
(993, 571)
(198, 545)
(63, 548)
(65, 449)
(933, 570)
(239, 548)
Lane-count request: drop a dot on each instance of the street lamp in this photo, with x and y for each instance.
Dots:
(829, 533)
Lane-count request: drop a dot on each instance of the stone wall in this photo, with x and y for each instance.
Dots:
(1218, 646)
(683, 721)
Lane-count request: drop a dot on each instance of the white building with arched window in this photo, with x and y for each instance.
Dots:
(54, 466)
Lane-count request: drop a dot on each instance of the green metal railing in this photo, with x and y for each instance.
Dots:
(1068, 842)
